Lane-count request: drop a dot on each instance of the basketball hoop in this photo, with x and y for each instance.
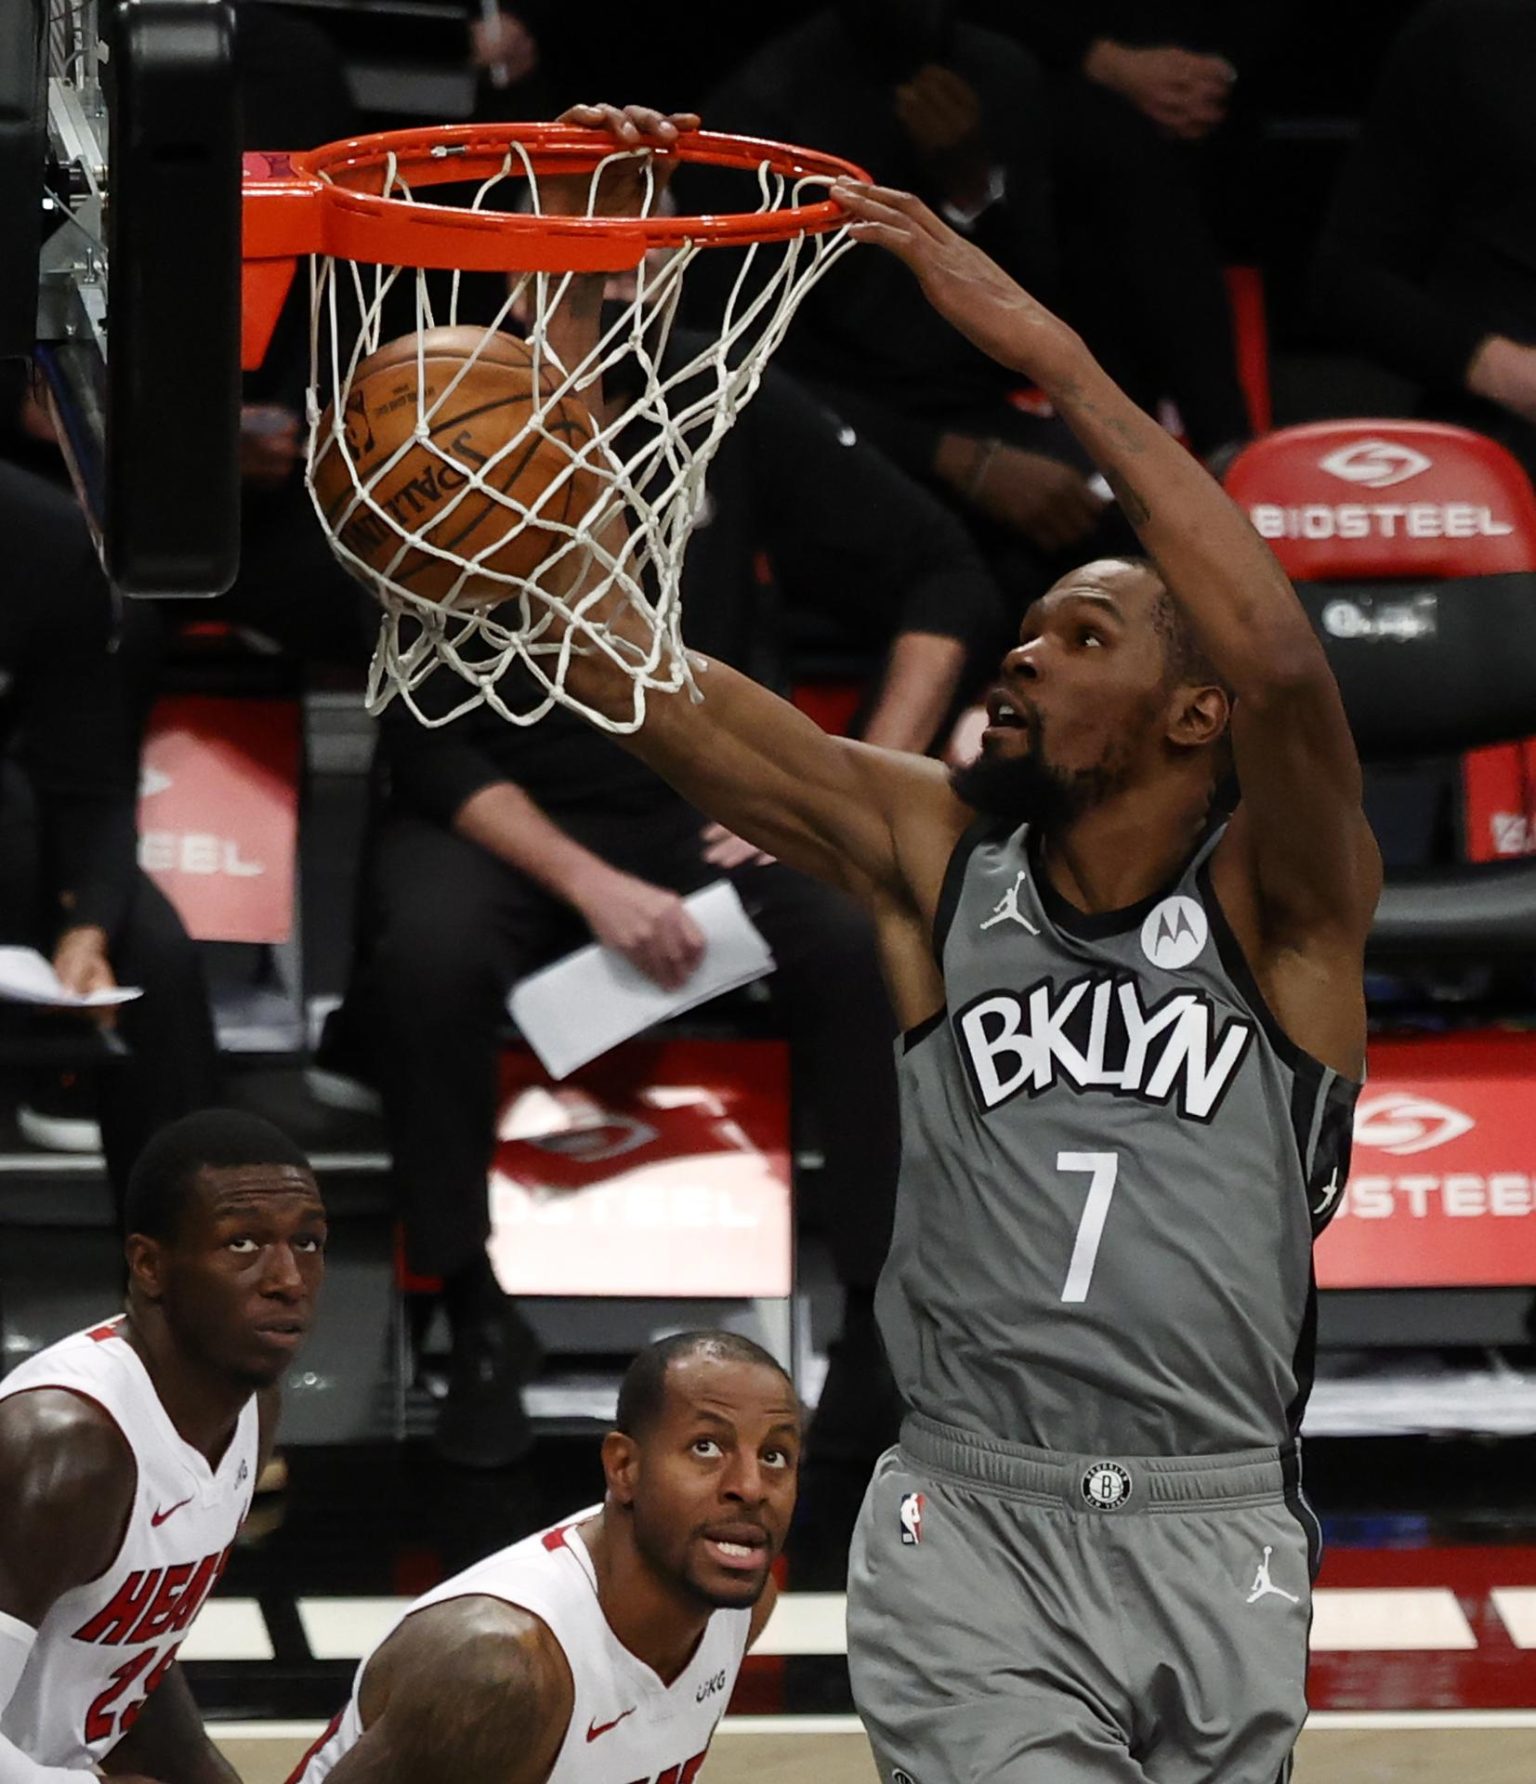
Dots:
(504, 569)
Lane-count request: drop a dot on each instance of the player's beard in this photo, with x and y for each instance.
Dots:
(1028, 789)
(658, 1552)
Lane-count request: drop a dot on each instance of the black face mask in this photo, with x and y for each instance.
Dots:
(895, 38)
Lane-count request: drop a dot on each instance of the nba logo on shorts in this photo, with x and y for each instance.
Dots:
(1106, 1486)
(911, 1519)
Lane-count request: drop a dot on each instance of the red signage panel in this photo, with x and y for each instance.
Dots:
(219, 813)
(1442, 1185)
(660, 1170)
(1342, 501)
(1499, 801)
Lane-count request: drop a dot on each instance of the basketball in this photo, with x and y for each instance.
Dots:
(486, 386)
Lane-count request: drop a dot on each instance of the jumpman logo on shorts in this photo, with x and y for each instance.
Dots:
(1264, 1586)
(1008, 906)
(1329, 1190)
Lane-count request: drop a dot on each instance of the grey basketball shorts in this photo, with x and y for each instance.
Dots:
(1017, 1616)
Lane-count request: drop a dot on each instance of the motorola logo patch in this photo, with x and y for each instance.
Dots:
(1175, 933)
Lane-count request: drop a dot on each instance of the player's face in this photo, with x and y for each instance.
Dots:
(715, 1483)
(238, 1283)
(1079, 701)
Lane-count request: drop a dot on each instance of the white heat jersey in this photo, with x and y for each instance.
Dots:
(626, 1727)
(105, 1646)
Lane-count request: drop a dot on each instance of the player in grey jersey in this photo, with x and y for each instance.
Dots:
(1134, 1039)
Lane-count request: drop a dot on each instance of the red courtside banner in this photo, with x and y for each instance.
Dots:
(1442, 1185)
(661, 1169)
(219, 813)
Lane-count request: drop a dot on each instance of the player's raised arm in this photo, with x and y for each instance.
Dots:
(875, 822)
(472, 1691)
(1314, 863)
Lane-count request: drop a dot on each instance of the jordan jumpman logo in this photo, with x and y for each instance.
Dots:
(1264, 1586)
(1008, 907)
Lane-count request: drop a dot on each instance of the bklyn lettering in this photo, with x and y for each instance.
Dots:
(1095, 1034)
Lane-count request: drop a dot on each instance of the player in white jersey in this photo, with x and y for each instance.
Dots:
(129, 1452)
(603, 1650)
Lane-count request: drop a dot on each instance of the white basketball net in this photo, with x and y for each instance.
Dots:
(650, 460)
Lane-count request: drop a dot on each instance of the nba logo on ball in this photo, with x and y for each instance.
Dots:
(1174, 933)
(1106, 1486)
(911, 1520)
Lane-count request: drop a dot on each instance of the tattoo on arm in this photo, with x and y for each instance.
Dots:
(1132, 506)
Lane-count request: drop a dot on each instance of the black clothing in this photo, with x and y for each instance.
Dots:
(453, 928)
(1430, 246)
(68, 825)
(62, 713)
(844, 532)
(866, 334)
(1139, 213)
(1142, 275)
(1060, 32)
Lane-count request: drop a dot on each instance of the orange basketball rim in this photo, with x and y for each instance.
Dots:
(352, 200)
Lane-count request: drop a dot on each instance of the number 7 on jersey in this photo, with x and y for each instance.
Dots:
(1101, 1169)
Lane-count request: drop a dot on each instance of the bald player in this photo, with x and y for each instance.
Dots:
(1135, 1032)
(129, 1453)
(603, 1650)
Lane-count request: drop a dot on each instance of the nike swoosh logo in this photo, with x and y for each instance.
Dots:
(594, 1729)
(158, 1518)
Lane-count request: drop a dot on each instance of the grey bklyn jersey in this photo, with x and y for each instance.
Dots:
(1113, 1167)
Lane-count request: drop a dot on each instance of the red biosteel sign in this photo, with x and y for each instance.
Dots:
(660, 1170)
(1442, 1185)
(219, 814)
(1343, 500)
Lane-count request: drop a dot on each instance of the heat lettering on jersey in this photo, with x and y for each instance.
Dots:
(684, 1772)
(1095, 1034)
(152, 1602)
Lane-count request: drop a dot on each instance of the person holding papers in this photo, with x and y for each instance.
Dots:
(501, 849)
(504, 847)
(70, 884)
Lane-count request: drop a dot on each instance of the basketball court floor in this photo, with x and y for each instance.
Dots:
(1424, 1639)
(750, 1752)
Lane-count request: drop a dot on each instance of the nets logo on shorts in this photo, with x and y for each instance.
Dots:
(1106, 1486)
(901, 1777)
(911, 1515)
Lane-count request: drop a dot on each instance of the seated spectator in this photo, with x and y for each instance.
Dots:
(1139, 102)
(505, 846)
(954, 113)
(1428, 260)
(69, 879)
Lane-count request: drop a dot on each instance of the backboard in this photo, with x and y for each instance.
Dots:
(120, 218)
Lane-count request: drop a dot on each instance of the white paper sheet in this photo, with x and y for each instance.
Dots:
(28, 977)
(579, 1007)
